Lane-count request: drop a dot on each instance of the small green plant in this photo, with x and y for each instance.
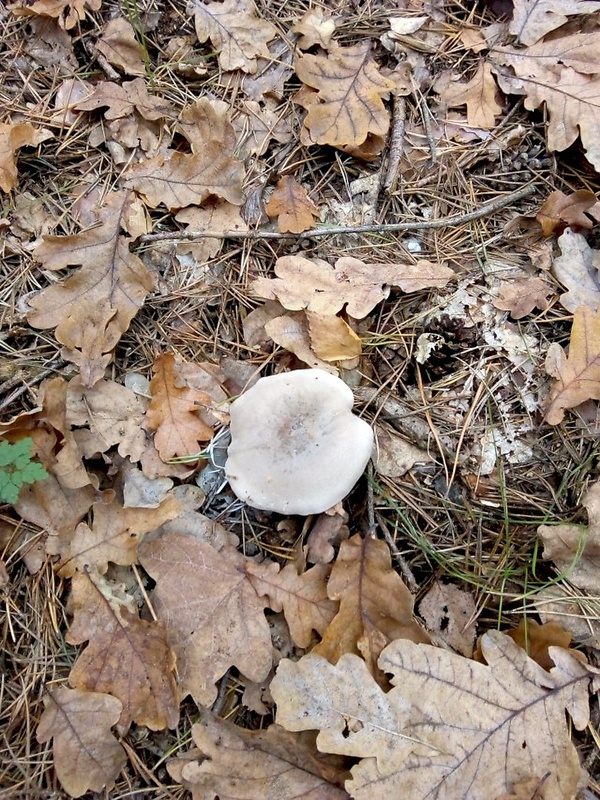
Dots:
(17, 468)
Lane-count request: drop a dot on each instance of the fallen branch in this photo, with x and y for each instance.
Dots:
(425, 225)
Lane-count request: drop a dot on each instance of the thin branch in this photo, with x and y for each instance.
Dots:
(425, 225)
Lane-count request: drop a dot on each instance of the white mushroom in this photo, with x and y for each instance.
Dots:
(296, 447)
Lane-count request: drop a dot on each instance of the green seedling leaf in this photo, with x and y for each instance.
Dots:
(17, 468)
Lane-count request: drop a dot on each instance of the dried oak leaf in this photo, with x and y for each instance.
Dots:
(315, 27)
(68, 12)
(93, 307)
(450, 614)
(536, 639)
(319, 287)
(347, 105)
(331, 338)
(563, 74)
(119, 46)
(302, 598)
(13, 136)
(292, 206)
(577, 210)
(533, 19)
(522, 295)
(87, 757)
(236, 32)
(443, 719)
(479, 94)
(578, 374)
(126, 657)
(124, 100)
(578, 269)
(270, 764)
(575, 549)
(375, 605)
(187, 402)
(113, 534)
(213, 615)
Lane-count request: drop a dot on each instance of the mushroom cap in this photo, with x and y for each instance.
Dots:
(296, 447)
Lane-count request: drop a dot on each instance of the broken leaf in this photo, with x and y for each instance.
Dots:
(577, 268)
(118, 45)
(214, 616)
(449, 615)
(578, 374)
(126, 657)
(394, 455)
(292, 206)
(93, 307)
(347, 105)
(67, 12)
(87, 757)
(315, 27)
(319, 287)
(533, 19)
(123, 100)
(522, 295)
(445, 716)
(576, 210)
(479, 94)
(13, 136)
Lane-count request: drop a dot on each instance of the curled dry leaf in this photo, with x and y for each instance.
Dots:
(213, 614)
(126, 656)
(578, 374)
(443, 718)
(577, 268)
(319, 287)
(479, 94)
(290, 331)
(68, 12)
(118, 45)
(315, 27)
(236, 32)
(270, 764)
(292, 206)
(576, 210)
(13, 136)
(575, 549)
(347, 105)
(533, 19)
(87, 757)
(93, 307)
(375, 605)
(522, 295)
(331, 338)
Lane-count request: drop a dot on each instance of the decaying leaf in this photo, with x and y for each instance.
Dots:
(256, 124)
(375, 605)
(13, 136)
(533, 19)
(186, 403)
(449, 614)
(118, 45)
(87, 757)
(479, 94)
(93, 307)
(347, 104)
(316, 26)
(67, 12)
(126, 657)
(563, 74)
(575, 549)
(522, 295)
(394, 455)
(446, 716)
(576, 210)
(236, 32)
(328, 530)
(319, 287)
(578, 374)
(577, 268)
(271, 764)
(292, 206)
(213, 615)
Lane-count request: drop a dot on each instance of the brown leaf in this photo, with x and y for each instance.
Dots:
(290, 331)
(577, 210)
(13, 136)
(184, 407)
(292, 206)
(68, 12)
(126, 657)
(271, 764)
(302, 598)
(315, 27)
(479, 94)
(578, 375)
(214, 617)
(375, 605)
(577, 268)
(119, 46)
(449, 615)
(87, 757)
(328, 531)
(533, 19)
(348, 105)
(331, 338)
(257, 124)
(535, 639)
(319, 287)
(123, 100)
(444, 717)
(235, 32)
(394, 455)
(563, 74)
(575, 549)
(522, 295)
(93, 307)
(216, 216)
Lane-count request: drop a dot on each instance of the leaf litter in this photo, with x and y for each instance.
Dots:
(173, 186)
